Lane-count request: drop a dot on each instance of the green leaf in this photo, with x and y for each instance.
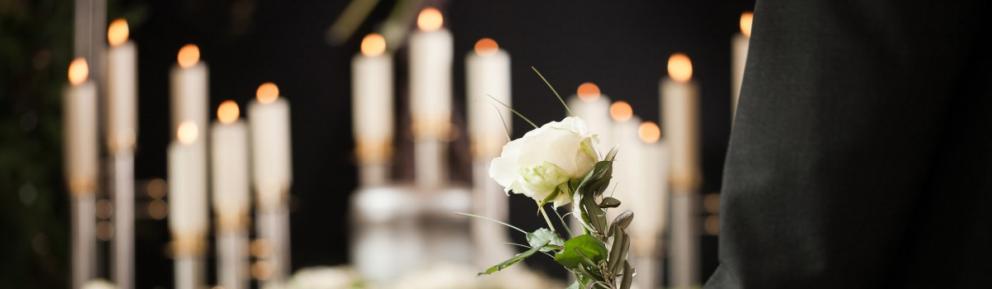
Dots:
(579, 248)
(609, 202)
(514, 260)
(544, 238)
(623, 220)
(628, 276)
(575, 285)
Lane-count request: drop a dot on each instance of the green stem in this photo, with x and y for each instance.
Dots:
(546, 219)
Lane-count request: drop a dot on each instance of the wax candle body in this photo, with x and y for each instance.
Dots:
(187, 190)
(488, 85)
(372, 107)
(229, 152)
(627, 165)
(430, 82)
(189, 95)
(81, 141)
(271, 151)
(122, 100)
(596, 113)
(680, 108)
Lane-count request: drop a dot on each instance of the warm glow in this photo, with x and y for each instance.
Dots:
(228, 111)
(680, 67)
(746, 19)
(373, 45)
(117, 32)
(78, 71)
(430, 19)
(267, 92)
(588, 91)
(649, 132)
(188, 56)
(187, 132)
(486, 46)
(621, 111)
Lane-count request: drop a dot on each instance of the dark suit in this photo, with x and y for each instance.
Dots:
(861, 156)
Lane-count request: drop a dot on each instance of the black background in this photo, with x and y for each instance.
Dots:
(620, 45)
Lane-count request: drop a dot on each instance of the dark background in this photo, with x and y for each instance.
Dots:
(620, 45)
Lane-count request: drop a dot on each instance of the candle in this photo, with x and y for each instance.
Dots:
(430, 95)
(372, 107)
(231, 197)
(121, 125)
(628, 159)
(680, 99)
(187, 184)
(487, 70)
(122, 89)
(187, 204)
(81, 166)
(272, 175)
(271, 148)
(189, 88)
(80, 124)
(654, 207)
(738, 56)
(592, 106)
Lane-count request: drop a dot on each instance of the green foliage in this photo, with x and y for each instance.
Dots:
(582, 250)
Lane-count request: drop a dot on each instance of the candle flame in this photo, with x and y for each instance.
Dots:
(373, 45)
(680, 67)
(79, 71)
(746, 19)
(430, 19)
(486, 46)
(228, 112)
(621, 111)
(649, 132)
(117, 32)
(189, 55)
(187, 132)
(267, 92)
(588, 91)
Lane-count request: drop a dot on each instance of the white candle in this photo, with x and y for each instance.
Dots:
(589, 104)
(187, 184)
(487, 70)
(231, 197)
(680, 105)
(81, 166)
(229, 152)
(738, 57)
(122, 88)
(80, 125)
(189, 88)
(626, 166)
(653, 208)
(430, 95)
(372, 108)
(271, 150)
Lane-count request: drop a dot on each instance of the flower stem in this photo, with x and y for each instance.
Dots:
(546, 219)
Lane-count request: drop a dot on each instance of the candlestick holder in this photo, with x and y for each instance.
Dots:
(646, 251)
(429, 160)
(491, 241)
(83, 206)
(386, 242)
(232, 245)
(685, 252)
(273, 228)
(188, 260)
(123, 194)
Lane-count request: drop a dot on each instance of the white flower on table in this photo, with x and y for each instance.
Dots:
(538, 164)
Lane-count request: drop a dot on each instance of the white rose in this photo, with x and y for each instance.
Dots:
(544, 158)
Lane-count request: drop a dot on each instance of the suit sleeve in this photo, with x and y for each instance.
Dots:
(840, 117)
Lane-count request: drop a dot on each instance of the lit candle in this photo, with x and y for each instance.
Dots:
(592, 106)
(372, 107)
(680, 105)
(629, 158)
(189, 88)
(738, 57)
(122, 88)
(188, 204)
(272, 176)
(430, 95)
(121, 125)
(651, 207)
(231, 197)
(487, 70)
(81, 166)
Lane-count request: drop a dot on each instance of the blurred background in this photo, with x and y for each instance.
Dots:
(620, 45)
